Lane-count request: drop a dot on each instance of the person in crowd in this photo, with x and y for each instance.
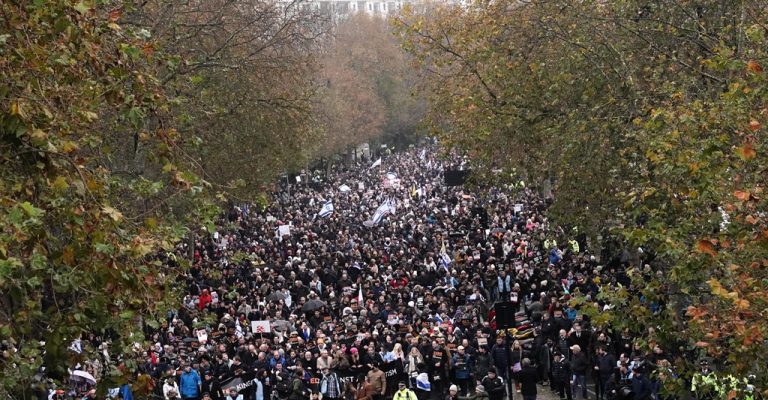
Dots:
(364, 389)
(604, 367)
(378, 381)
(461, 364)
(233, 395)
(330, 386)
(453, 393)
(403, 393)
(171, 389)
(579, 368)
(190, 384)
(561, 376)
(528, 377)
(397, 282)
(494, 385)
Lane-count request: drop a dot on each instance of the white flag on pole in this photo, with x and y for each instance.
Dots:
(360, 295)
(376, 163)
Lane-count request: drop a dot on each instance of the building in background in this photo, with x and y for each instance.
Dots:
(338, 9)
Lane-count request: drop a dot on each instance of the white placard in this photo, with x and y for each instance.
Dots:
(260, 327)
(283, 230)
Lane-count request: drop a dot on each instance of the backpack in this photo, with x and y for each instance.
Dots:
(301, 392)
(283, 386)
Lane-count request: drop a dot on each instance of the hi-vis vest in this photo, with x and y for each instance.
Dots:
(574, 245)
(404, 394)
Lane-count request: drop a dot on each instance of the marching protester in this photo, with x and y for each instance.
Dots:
(379, 281)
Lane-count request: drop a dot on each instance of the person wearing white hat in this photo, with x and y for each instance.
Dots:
(579, 367)
(453, 393)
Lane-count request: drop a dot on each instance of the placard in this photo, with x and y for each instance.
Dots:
(260, 327)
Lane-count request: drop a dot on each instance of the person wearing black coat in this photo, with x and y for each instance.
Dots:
(527, 377)
(483, 363)
(548, 327)
(561, 375)
(641, 386)
(500, 357)
(211, 385)
(605, 365)
(579, 367)
(494, 385)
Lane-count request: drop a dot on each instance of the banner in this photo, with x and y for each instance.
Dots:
(237, 383)
(260, 327)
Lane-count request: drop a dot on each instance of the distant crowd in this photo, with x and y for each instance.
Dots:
(391, 296)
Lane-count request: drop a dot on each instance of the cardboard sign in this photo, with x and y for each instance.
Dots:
(202, 336)
(283, 230)
(260, 327)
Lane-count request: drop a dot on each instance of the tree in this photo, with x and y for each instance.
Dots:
(366, 86)
(78, 252)
(648, 119)
(238, 75)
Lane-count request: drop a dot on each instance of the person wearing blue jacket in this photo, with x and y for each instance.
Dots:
(461, 363)
(189, 384)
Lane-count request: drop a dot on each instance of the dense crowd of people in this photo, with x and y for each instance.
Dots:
(371, 303)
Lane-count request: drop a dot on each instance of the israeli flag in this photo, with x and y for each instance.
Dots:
(422, 382)
(385, 208)
(327, 209)
(445, 259)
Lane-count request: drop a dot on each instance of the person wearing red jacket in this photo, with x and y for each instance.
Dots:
(205, 299)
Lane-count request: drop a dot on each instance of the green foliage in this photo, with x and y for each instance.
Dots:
(238, 76)
(77, 248)
(648, 119)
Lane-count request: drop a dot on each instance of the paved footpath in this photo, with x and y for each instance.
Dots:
(543, 393)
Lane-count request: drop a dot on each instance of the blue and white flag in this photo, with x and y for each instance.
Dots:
(445, 259)
(387, 207)
(327, 209)
(422, 382)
